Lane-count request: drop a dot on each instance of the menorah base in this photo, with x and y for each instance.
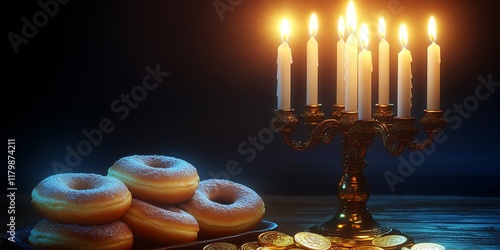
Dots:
(362, 231)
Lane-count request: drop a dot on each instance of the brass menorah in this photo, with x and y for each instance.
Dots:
(353, 220)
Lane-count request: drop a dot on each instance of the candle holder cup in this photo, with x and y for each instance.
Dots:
(353, 219)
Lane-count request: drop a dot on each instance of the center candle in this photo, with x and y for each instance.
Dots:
(340, 63)
(312, 63)
(351, 61)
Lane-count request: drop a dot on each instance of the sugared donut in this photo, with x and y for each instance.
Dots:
(156, 178)
(224, 208)
(52, 235)
(81, 198)
(161, 224)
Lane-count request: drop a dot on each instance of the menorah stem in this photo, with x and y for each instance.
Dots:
(353, 186)
(353, 219)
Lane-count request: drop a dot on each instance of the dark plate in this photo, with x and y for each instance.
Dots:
(22, 235)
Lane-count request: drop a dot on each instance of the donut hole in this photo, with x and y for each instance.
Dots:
(223, 199)
(81, 185)
(157, 164)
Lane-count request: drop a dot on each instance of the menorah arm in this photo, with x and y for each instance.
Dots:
(402, 131)
(394, 146)
(414, 145)
(433, 122)
(322, 130)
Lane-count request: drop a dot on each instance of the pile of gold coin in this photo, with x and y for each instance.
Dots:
(278, 240)
(312, 241)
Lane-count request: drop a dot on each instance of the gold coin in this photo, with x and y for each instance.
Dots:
(253, 245)
(427, 246)
(339, 248)
(275, 239)
(367, 248)
(339, 241)
(276, 248)
(312, 241)
(220, 246)
(389, 240)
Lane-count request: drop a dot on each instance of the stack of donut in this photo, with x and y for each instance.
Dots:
(171, 205)
(159, 199)
(81, 211)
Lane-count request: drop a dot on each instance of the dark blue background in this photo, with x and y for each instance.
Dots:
(220, 91)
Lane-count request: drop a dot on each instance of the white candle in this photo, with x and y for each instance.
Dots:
(383, 65)
(351, 61)
(312, 63)
(365, 68)
(284, 62)
(404, 76)
(433, 69)
(340, 63)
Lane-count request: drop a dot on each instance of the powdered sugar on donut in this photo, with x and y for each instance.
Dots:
(223, 208)
(156, 178)
(155, 166)
(227, 199)
(79, 187)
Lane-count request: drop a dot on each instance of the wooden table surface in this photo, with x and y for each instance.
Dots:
(455, 222)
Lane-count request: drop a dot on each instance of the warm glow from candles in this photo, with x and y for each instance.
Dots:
(363, 36)
(381, 27)
(341, 27)
(285, 30)
(313, 25)
(351, 18)
(403, 35)
(432, 29)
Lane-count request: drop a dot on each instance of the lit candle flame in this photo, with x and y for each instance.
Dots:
(313, 25)
(432, 29)
(381, 27)
(403, 35)
(341, 27)
(285, 30)
(363, 36)
(351, 18)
